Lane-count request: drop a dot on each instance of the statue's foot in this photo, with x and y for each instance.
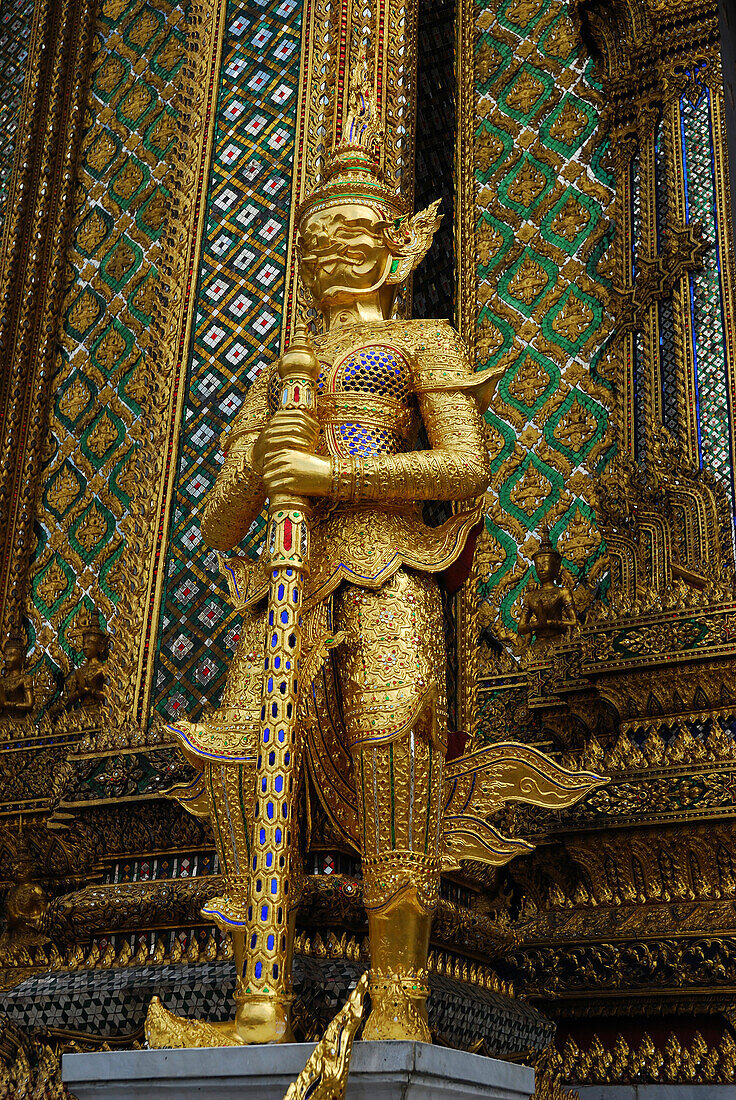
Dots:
(398, 1008)
(165, 1030)
(263, 1017)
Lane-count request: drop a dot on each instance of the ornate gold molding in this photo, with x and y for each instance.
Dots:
(31, 270)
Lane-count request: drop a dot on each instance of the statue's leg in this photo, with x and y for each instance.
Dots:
(392, 682)
(223, 747)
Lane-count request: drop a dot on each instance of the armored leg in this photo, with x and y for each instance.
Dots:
(392, 682)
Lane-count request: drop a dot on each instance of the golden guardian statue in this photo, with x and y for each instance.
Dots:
(341, 662)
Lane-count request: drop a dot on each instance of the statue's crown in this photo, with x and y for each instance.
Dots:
(87, 622)
(545, 546)
(352, 173)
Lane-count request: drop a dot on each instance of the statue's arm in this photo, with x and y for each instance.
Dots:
(526, 622)
(28, 699)
(238, 495)
(569, 611)
(457, 467)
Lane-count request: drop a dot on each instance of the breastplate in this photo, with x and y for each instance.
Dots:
(364, 402)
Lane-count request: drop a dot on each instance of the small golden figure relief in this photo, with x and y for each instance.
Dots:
(339, 676)
(549, 608)
(26, 905)
(85, 686)
(16, 684)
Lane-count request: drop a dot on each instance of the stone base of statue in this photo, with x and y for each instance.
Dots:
(378, 1071)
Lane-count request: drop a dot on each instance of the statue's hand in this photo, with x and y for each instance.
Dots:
(291, 471)
(285, 430)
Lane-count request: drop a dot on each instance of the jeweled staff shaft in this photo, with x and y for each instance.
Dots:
(266, 989)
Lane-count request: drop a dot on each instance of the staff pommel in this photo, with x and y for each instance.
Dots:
(299, 360)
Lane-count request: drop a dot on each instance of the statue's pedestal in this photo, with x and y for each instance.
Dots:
(378, 1071)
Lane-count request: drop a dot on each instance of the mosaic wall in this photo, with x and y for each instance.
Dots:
(15, 34)
(99, 386)
(237, 329)
(542, 197)
(709, 322)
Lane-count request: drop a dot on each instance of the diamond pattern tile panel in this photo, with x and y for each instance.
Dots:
(237, 330)
(543, 199)
(708, 319)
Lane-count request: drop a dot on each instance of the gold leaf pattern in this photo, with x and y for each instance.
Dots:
(529, 281)
(569, 124)
(531, 490)
(52, 584)
(527, 185)
(529, 383)
(577, 426)
(110, 348)
(574, 319)
(525, 91)
(63, 490)
(92, 529)
(102, 436)
(74, 399)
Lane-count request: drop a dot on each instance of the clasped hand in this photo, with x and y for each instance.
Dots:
(282, 456)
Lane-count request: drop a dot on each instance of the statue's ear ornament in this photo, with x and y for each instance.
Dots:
(409, 239)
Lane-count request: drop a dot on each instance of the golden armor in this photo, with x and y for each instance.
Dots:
(363, 710)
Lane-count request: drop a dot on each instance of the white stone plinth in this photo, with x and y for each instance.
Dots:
(378, 1071)
(656, 1092)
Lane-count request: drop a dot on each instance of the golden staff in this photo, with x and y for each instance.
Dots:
(265, 993)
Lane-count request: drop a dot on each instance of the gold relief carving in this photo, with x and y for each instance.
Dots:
(531, 490)
(487, 60)
(489, 340)
(521, 12)
(570, 122)
(529, 281)
(52, 584)
(92, 528)
(525, 91)
(137, 100)
(671, 1061)
(129, 179)
(74, 400)
(168, 57)
(109, 74)
(576, 427)
(571, 220)
(489, 243)
(102, 436)
(91, 233)
(121, 262)
(529, 382)
(575, 318)
(101, 152)
(84, 311)
(63, 490)
(144, 26)
(527, 185)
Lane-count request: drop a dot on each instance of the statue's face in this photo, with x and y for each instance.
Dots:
(343, 253)
(93, 645)
(13, 658)
(547, 566)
